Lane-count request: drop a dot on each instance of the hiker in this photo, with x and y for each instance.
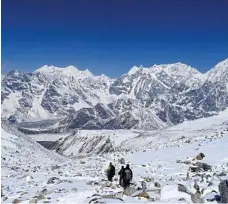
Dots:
(110, 172)
(127, 176)
(121, 174)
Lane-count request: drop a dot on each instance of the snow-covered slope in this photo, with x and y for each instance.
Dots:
(20, 152)
(31, 174)
(150, 98)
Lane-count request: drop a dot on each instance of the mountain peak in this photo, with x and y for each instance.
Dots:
(135, 69)
(52, 72)
(219, 72)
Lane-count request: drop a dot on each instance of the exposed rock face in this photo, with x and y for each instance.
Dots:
(144, 98)
(76, 144)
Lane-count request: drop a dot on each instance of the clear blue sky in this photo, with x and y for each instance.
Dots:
(111, 36)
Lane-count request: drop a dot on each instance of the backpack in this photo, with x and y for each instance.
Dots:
(128, 174)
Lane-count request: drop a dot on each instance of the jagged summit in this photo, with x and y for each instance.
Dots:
(52, 72)
(145, 97)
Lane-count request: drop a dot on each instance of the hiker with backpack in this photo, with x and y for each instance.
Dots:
(121, 174)
(127, 176)
(110, 172)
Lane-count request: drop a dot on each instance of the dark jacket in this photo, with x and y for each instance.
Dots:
(111, 171)
(121, 172)
(128, 173)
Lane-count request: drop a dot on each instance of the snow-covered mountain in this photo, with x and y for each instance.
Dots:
(144, 98)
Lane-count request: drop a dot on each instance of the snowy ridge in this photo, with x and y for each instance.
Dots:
(161, 95)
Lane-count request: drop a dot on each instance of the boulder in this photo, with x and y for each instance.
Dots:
(196, 198)
(144, 195)
(74, 189)
(121, 161)
(223, 189)
(200, 167)
(33, 201)
(55, 167)
(15, 201)
(182, 188)
(5, 198)
(200, 156)
(144, 186)
(129, 191)
(44, 192)
(107, 184)
(41, 197)
(156, 184)
(52, 180)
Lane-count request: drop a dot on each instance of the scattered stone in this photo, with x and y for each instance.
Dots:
(46, 201)
(222, 174)
(44, 192)
(24, 193)
(15, 201)
(5, 198)
(144, 195)
(89, 183)
(52, 180)
(144, 187)
(200, 156)
(181, 199)
(121, 161)
(159, 166)
(113, 187)
(74, 189)
(82, 162)
(196, 198)
(183, 189)
(107, 184)
(152, 199)
(55, 167)
(33, 200)
(41, 197)
(148, 179)
(200, 167)
(78, 174)
(186, 162)
(156, 184)
(94, 200)
(129, 191)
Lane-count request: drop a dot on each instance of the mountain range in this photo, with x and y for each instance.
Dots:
(144, 98)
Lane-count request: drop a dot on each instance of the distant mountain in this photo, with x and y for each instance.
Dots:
(144, 98)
